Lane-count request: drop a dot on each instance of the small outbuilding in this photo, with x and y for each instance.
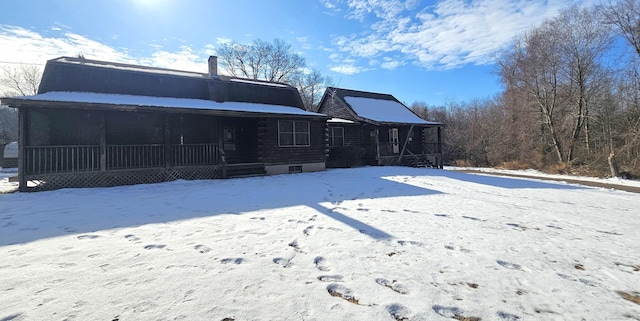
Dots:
(96, 123)
(10, 156)
(376, 129)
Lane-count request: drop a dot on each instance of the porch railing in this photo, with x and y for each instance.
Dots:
(59, 159)
(195, 154)
(64, 159)
(134, 156)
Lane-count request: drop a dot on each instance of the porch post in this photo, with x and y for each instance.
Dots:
(378, 145)
(103, 141)
(440, 165)
(221, 156)
(167, 141)
(406, 140)
(22, 139)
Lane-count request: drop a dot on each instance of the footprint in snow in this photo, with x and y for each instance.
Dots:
(331, 278)
(473, 218)
(567, 277)
(508, 265)
(342, 292)
(88, 236)
(393, 285)
(508, 316)
(154, 246)
(322, 264)
(296, 247)
(202, 248)
(308, 231)
(132, 238)
(228, 260)
(452, 312)
(453, 248)
(414, 243)
(285, 263)
(398, 312)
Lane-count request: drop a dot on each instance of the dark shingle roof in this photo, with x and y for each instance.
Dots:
(82, 75)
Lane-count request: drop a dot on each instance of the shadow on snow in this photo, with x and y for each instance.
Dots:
(27, 217)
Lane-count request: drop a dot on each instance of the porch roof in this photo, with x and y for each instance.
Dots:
(384, 111)
(120, 101)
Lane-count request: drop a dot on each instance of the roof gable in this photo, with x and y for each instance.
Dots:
(370, 107)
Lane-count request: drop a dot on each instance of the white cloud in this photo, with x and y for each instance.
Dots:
(31, 47)
(391, 63)
(348, 69)
(224, 41)
(449, 34)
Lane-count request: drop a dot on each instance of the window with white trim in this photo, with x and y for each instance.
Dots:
(293, 133)
(336, 136)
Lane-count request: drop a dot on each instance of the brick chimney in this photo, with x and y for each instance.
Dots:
(213, 66)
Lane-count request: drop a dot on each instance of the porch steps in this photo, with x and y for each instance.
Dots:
(245, 170)
(418, 162)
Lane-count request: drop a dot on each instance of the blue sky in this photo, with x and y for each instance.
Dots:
(431, 51)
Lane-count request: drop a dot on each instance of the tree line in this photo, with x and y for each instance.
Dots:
(570, 100)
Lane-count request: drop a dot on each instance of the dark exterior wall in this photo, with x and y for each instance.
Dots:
(62, 127)
(193, 129)
(352, 134)
(127, 128)
(335, 108)
(271, 153)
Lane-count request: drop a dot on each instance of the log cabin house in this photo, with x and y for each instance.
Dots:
(96, 123)
(376, 129)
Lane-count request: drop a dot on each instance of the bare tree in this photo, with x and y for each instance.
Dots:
(271, 61)
(20, 81)
(8, 125)
(625, 15)
(274, 61)
(311, 86)
(559, 65)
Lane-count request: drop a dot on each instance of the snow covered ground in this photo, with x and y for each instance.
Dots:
(373, 243)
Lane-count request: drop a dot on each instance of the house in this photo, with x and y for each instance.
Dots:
(96, 123)
(377, 129)
(10, 155)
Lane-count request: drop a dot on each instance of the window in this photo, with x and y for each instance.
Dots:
(336, 136)
(293, 133)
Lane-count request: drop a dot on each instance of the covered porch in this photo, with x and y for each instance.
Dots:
(406, 145)
(63, 148)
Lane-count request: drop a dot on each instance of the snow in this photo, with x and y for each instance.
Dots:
(5, 185)
(542, 175)
(258, 82)
(340, 121)
(386, 111)
(371, 243)
(133, 100)
(134, 68)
